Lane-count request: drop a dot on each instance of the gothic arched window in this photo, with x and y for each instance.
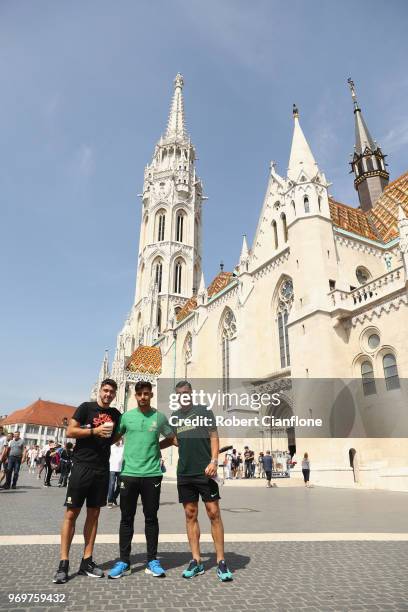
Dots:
(158, 275)
(306, 204)
(285, 301)
(275, 234)
(284, 227)
(379, 163)
(369, 162)
(159, 318)
(367, 377)
(293, 207)
(228, 333)
(178, 269)
(161, 222)
(390, 372)
(179, 226)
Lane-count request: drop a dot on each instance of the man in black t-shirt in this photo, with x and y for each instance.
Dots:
(93, 425)
(198, 444)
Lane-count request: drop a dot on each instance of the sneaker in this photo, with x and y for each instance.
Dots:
(120, 569)
(223, 572)
(61, 575)
(155, 569)
(194, 569)
(110, 505)
(89, 568)
(115, 504)
(14, 486)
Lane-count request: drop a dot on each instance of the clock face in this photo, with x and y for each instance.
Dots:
(287, 289)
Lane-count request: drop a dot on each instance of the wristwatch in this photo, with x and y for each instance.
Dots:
(214, 461)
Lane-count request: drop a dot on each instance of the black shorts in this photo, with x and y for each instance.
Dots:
(268, 474)
(190, 487)
(86, 483)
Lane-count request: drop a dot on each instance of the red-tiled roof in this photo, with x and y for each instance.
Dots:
(41, 412)
(145, 359)
(351, 219)
(220, 282)
(384, 215)
(381, 222)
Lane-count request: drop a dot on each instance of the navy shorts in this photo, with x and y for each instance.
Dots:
(190, 488)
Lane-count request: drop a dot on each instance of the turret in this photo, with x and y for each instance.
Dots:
(368, 161)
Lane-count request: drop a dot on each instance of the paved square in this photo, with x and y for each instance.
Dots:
(268, 575)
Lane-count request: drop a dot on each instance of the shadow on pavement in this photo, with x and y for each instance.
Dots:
(171, 560)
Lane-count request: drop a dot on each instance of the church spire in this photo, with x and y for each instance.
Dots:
(368, 162)
(176, 125)
(301, 157)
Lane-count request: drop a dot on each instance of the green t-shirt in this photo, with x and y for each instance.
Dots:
(194, 444)
(141, 455)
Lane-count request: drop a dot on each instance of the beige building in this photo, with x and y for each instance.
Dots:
(320, 295)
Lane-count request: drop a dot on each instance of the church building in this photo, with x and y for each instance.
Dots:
(319, 295)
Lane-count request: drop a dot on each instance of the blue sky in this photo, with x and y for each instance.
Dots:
(85, 88)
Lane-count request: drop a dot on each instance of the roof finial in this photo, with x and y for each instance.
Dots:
(295, 111)
(353, 93)
(179, 81)
(221, 266)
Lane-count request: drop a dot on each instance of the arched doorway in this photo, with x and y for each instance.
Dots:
(280, 438)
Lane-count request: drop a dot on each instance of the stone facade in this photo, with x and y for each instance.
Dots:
(321, 294)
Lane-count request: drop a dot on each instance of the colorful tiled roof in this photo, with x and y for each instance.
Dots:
(219, 283)
(384, 215)
(381, 222)
(145, 359)
(351, 219)
(190, 305)
(41, 412)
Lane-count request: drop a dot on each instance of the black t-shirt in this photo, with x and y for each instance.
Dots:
(194, 444)
(94, 451)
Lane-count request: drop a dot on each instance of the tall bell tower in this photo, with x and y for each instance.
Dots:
(169, 259)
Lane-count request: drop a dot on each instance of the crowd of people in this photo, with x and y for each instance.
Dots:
(51, 459)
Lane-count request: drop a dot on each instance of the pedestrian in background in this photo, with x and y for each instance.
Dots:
(115, 466)
(261, 470)
(16, 457)
(306, 469)
(4, 457)
(65, 463)
(267, 465)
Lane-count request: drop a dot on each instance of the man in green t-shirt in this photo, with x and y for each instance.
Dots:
(140, 475)
(198, 444)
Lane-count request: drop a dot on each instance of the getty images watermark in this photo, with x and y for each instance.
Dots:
(219, 399)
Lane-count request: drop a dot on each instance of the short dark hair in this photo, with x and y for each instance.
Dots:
(69, 445)
(109, 381)
(183, 383)
(143, 384)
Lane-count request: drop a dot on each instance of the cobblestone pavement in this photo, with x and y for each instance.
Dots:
(307, 576)
(282, 576)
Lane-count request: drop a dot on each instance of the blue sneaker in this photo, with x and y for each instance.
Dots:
(194, 569)
(119, 569)
(155, 569)
(223, 572)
